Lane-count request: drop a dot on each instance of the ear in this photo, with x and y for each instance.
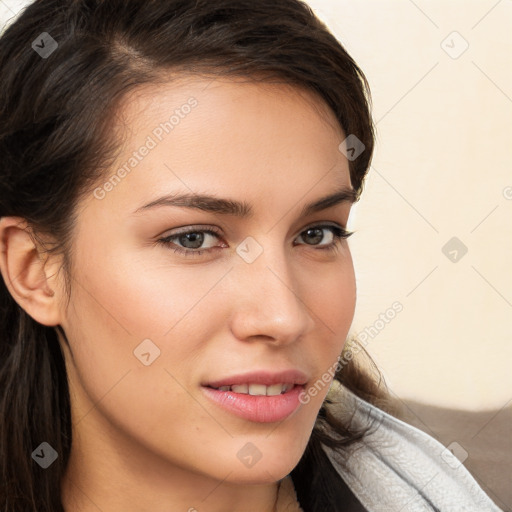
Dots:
(29, 278)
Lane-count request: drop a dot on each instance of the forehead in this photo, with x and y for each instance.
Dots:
(226, 93)
(204, 135)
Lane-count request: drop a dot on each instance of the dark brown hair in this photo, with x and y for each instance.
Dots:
(56, 143)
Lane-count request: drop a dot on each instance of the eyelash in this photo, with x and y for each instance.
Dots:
(338, 232)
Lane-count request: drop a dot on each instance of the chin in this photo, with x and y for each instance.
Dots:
(260, 474)
(265, 460)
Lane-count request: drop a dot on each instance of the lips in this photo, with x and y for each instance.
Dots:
(259, 409)
(258, 396)
(264, 377)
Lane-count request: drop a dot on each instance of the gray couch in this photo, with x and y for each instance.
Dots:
(486, 436)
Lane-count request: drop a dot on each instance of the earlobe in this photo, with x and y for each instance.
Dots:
(24, 273)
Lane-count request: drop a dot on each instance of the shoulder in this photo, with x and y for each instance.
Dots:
(399, 467)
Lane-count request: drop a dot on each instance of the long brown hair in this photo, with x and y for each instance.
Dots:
(65, 67)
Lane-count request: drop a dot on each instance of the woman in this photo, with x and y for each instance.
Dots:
(178, 289)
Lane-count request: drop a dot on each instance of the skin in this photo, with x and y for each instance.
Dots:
(145, 438)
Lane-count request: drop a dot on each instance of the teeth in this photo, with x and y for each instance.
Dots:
(258, 389)
(275, 389)
(240, 388)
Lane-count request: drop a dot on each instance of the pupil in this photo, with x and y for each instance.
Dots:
(195, 238)
(319, 232)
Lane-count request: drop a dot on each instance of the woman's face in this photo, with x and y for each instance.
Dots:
(150, 327)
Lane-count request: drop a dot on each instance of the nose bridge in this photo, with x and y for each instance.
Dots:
(268, 302)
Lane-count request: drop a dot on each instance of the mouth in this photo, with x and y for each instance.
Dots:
(257, 389)
(261, 397)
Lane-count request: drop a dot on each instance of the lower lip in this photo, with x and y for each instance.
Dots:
(257, 408)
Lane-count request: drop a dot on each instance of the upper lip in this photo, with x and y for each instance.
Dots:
(266, 377)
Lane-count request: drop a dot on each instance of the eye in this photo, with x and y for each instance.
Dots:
(192, 240)
(315, 234)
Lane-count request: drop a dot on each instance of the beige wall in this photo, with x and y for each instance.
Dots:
(441, 169)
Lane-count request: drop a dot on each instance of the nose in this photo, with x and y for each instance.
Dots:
(269, 302)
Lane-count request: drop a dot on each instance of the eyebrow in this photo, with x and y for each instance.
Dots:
(242, 209)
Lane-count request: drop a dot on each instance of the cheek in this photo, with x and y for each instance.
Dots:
(332, 303)
(123, 310)
(130, 300)
(331, 298)
(109, 319)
